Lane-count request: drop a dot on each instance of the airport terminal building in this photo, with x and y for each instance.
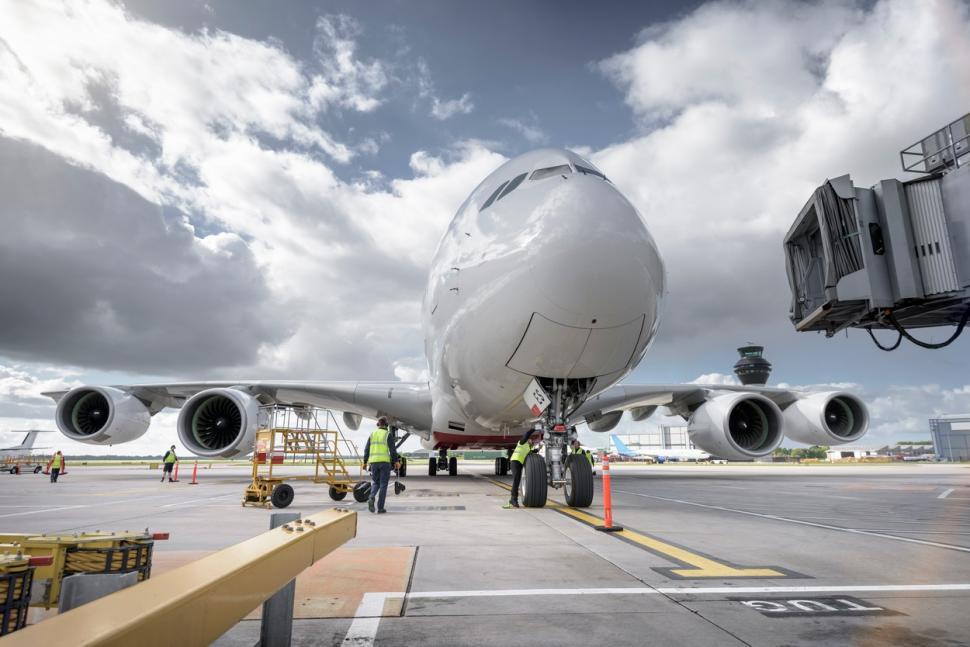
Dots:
(951, 437)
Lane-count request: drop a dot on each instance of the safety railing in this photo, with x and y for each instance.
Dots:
(203, 599)
(945, 148)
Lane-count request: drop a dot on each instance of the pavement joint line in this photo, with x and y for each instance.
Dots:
(208, 498)
(693, 565)
(772, 517)
(946, 493)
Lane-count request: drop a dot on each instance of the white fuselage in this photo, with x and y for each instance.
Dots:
(557, 279)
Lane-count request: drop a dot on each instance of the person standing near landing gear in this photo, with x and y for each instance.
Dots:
(379, 454)
(517, 462)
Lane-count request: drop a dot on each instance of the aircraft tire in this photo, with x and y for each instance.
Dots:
(432, 466)
(498, 466)
(579, 482)
(337, 495)
(505, 466)
(453, 466)
(282, 495)
(534, 481)
(403, 470)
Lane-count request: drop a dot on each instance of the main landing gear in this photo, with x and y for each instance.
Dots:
(502, 465)
(558, 468)
(443, 463)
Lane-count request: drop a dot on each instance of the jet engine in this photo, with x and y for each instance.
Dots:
(219, 423)
(737, 426)
(831, 418)
(101, 415)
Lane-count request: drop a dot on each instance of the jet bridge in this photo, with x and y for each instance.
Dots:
(893, 256)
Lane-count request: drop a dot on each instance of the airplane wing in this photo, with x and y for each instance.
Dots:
(406, 403)
(681, 399)
(735, 421)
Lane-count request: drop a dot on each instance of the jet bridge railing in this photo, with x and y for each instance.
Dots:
(198, 602)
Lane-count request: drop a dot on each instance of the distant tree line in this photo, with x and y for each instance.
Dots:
(815, 451)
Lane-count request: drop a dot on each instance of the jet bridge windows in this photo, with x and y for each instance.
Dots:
(543, 173)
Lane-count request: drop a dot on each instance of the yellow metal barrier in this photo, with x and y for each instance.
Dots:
(199, 601)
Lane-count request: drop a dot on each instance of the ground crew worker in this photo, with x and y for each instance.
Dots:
(169, 461)
(380, 453)
(56, 465)
(578, 450)
(517, 462)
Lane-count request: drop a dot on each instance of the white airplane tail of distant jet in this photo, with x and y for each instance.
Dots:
(26, 446)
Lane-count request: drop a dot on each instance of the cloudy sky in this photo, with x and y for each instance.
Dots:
(246, 189)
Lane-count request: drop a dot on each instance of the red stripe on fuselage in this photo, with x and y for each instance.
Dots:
(458, 441)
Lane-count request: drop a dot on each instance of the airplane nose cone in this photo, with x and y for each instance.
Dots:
(597, 265)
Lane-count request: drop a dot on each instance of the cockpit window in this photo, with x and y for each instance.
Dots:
(492, 197)
(542, 173)
(515, 182)
(589, 171)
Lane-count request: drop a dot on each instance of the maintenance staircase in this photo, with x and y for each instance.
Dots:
(299, 436)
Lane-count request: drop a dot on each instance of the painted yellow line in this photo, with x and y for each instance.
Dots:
(697, 566)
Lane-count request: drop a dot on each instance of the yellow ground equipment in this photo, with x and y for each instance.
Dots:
(16, 575)
(301, 437)
(93, 552)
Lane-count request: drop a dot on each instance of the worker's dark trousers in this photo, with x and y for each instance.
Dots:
(381, 474)
(54, 474)
(516, 477)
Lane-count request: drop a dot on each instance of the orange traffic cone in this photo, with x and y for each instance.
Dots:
(608, 525)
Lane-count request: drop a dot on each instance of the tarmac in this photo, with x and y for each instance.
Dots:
(709, 554)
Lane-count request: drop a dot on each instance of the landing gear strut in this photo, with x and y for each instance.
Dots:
(559, 468)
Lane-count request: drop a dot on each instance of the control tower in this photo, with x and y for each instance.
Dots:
(752, 368)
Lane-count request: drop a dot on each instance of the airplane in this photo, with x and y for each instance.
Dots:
(26, 446)
(660, 455)
(544, 292)
(24, 449)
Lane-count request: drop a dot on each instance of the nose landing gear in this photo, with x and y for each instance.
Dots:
(559, 468)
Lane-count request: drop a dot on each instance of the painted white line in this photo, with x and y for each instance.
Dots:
(363, 629)
(945, 494)
(188, 501)
(685, 590)
(21, 514)
(772, 517)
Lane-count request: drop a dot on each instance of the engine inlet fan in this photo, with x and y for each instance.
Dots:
(839, 418)
(748, 425)
(216, 422)
(90, 413)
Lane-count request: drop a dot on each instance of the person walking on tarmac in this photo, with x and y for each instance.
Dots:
(56, 465)
(169, 461)
(517, 462)
(380, 453)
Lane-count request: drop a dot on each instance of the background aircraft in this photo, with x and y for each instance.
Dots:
(545, 291)
(660, 455)
(26, 447)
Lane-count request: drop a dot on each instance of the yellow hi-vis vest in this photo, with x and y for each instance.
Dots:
(57, 462)
(586, 452)
(379, 453)
(170, 457)
(521, 451)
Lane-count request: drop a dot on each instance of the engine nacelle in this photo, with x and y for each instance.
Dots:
(737, 426)
(219, 423)
(101, 415)
(604, 421)
(831, 418)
